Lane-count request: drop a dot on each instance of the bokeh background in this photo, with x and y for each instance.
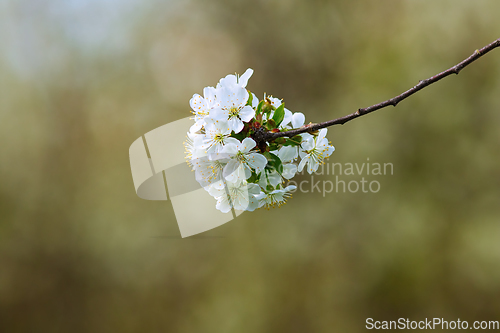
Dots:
(82, 79)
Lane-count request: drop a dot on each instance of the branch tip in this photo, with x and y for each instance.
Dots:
(262, 137)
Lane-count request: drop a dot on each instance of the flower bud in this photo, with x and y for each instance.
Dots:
(271, 124)
(267, 107)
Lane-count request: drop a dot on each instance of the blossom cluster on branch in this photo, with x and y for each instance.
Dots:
(234, 168)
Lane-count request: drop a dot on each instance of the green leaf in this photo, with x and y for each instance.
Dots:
(279, 114)
(275, 162)
(253, 178)
(280, 141)
(273, 146)
(250, 98)
(259, 107)
(295, 141)
(240, 136)
(280, 168)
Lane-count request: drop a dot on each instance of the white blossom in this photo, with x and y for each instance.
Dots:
(241, 196)
(242, 161)
(314, 150)
(201, 107)
(217, 134)
(231, 107)
(223, 155)
(231, 81)
(275, 197)
(207, 172)
(192, 147)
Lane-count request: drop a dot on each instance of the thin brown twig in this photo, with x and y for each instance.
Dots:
(269, 136)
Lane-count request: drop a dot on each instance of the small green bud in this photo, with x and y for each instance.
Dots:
(267, 107)
(271, 124)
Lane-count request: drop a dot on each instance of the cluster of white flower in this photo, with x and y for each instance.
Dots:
(222, 153)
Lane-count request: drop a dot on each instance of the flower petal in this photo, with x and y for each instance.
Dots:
(287, 153)
(312, 166)
(247, 144)
(228, 81)
(289, 171)
(238, 175)
(287, 118)
(218, 113)
(257, 162)
(303, 163)
(230, 149)
(240, 97)
(263, 180)
(274, 178)
(276, 102)
(247, 113)
(253, 188)
(216, 189)
(232, 140)
(197, 126)
(243, 80)
(197, 103)
(222, 127)
(240, 201)
(306, 136)
(322, 134)
(298, 119)
(255, 101)
(308, 144)
(328, 151)
(209, 94)
(230, 168)
(235, 124)
(223, 204)
(253, 203)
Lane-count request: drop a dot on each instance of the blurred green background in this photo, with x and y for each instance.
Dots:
(82, 79)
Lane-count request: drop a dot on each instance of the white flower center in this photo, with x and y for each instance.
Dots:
(218, 138)
(240, 157)
(233, 112)
(316, 154)
(274, 199)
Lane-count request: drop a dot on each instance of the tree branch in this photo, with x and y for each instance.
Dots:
(269, 136)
